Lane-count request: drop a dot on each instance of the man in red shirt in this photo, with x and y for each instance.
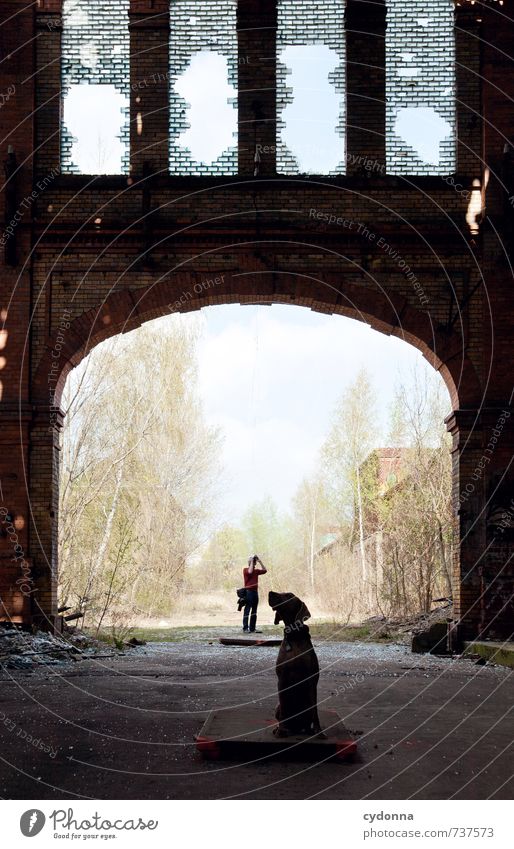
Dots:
(251, 579)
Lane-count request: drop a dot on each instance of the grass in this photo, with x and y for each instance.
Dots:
(176, 635)
(337, 632)
(322, 631)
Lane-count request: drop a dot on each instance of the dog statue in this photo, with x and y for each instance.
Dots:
(297, 669)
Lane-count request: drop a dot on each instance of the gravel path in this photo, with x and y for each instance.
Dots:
(427, 727)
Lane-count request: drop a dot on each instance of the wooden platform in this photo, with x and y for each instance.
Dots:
(246, 733)
(232, 641)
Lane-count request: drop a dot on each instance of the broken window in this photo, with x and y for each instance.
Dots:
(311, 87)
(96, 87)
(203, 87)
(420, 87)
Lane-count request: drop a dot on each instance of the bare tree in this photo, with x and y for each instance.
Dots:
(416, 513)
(138, 456)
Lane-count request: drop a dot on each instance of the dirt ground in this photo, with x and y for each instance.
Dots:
(428, 728)
(216, 608)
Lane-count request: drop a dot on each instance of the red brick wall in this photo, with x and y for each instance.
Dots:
(17, 133)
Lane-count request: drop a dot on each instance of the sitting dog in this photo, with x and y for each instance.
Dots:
(297, 669)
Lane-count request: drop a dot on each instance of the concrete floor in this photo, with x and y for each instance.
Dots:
(429, 728)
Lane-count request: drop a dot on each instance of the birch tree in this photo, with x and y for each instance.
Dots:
(352, 437)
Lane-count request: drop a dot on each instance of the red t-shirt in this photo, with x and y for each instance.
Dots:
(251, 580)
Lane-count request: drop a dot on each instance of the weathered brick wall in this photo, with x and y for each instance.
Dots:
(149, 87)
(97, 256)
(17, 128)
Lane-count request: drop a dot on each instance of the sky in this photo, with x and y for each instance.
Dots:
(271, 377)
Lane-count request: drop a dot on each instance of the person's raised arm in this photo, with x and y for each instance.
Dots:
(263, 568)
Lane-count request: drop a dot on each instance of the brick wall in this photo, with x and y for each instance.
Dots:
(17, 142)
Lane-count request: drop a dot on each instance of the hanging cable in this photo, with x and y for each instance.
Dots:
(253, 406)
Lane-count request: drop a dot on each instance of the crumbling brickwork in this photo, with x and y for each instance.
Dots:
(420, 76)
(302, 23)
(95, 51)
(198, 28)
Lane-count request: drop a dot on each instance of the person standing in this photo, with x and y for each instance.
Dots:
(251, 582)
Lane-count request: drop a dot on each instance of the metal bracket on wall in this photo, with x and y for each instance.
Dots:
(11, 211)
(461, 305)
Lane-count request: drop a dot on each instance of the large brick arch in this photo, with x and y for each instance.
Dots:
(92, 257)
(387, 313)
(122, 311)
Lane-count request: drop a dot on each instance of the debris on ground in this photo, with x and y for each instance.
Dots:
(133, 642)
(25, 650)
(434, 640)
(427, 632)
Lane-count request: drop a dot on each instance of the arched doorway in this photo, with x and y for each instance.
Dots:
(129, 308)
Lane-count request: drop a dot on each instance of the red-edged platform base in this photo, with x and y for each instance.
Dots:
(246, 733)
(232, 641)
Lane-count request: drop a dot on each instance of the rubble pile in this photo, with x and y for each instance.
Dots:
(416, 624)
(427, 632)
(23, 650)
(423, 621)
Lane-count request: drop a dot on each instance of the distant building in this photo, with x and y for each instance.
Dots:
(382, 471)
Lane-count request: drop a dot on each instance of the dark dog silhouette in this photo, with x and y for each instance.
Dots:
(297, 669)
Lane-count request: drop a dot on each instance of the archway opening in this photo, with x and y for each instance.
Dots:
(198, 439)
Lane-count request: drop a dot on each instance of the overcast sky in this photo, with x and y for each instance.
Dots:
(270, 377)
